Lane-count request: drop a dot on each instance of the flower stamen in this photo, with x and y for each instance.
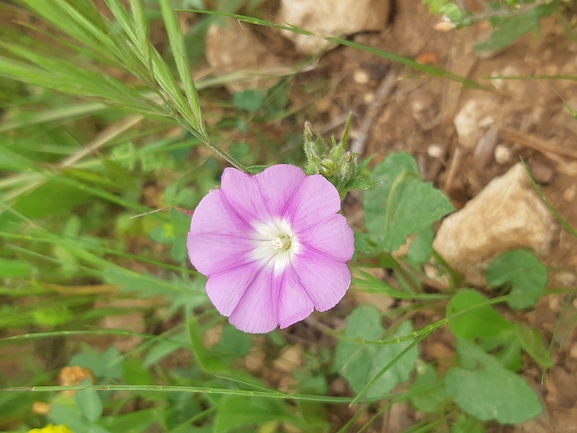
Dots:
(281, 242)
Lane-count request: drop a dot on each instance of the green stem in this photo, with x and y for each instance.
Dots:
(205, 140)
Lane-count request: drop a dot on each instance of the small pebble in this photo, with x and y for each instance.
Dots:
(573, 351)
(569, 193)
(503, 155)
(542, 173)
(567, 279)
(361, 77)
(368, 97)
(486, 121)
(435, 151)
(570, 168)
(444, 26)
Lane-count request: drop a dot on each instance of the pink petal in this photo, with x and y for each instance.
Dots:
(293, 303)
(314, 201)
(324, 279)
(256, 311)
(242, 193)
(212, 253)
(277, 185)
(214, 215)
(226, 289)
(332, 237)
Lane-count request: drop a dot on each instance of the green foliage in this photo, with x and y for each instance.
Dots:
(89, 403)
(249, 100)
(402, 204)
(359, 363)
(510, 19)
(531, 341)
(523, 273)
(508, 29)
(472, 317)
(10, 268)
(236, 411)
(488, 391)
(428, 393)
(107, 365)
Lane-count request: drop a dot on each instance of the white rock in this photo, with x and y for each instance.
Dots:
(506, 215)
(569, 193)
(503, 154)
(476, 114)
(515, 87)
(232, 47)
(330, 18)
(361, 77)
(436, 150)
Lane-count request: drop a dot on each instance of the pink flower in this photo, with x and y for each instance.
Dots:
(272, 246)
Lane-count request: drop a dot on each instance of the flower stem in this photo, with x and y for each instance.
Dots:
(206, 140)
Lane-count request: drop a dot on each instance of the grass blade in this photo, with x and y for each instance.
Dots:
(182, 64)
(547, 203)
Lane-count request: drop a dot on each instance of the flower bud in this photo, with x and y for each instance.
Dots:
(348, 166)
(315, 146)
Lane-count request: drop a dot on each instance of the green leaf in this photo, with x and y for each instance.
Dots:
(210, 360)
(402, 204)
(236, 411)
(89, 403)
(14, 268)
(63, 411)
(509, 29)
(52, 198)
(165, 348)
(233, 341)
(52, 315)
(147, 284)
(359, 363)
(453, 12)
(139, 421)
(428, 393)
(421, 247)
(522, 271)
(164, 234)
(359, 183)
(102, 365)
(466, 424)
(135, 373)
(95, 428)
(481, 321)
(249, 100)
(487, 390)
(532, 342)
(179, 250)
(435, 6)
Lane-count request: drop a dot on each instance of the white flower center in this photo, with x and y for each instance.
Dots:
(275, 244)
